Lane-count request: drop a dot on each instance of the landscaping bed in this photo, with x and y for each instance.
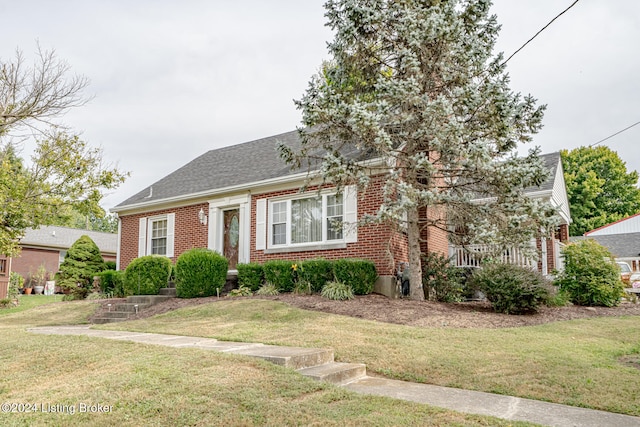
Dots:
(415, 313)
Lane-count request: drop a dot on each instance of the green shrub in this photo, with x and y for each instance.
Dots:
(147, 275)
(16, 282)
(242, 291)
(112, 282)
(281, 274)
(302, 287)
(590, 276)
(512, 289)
(81, 263)
(268, 289)
(250, 275)
(441, 280)
(316, 273)
(200, 273)
(359, 275)
(337, 291)
(110, 265)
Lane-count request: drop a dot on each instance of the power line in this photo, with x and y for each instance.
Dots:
(541, 30)
(614, 134)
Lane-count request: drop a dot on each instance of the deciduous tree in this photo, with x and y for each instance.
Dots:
(63, 169)
(415, 83)
(600, 188)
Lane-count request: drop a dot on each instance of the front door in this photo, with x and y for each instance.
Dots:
(231, 236)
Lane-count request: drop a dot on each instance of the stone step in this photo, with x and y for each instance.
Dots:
(130, 307)
(336, 372)
(168, 291)
(147, 299)
(291, 357)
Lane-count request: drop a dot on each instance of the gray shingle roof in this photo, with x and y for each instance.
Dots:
(621, 245)
(63, 238)
(551, 162)
(252, 161)
(247, 163)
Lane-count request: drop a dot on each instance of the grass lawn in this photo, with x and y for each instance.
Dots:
(151, 385)
(578, 363)
(30, 301)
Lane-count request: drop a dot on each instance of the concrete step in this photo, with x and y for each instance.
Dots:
(147, 299)
(336, 372)
(168, 292)
(291, 357)
(115, 314)
(103, 320)
(130, 307)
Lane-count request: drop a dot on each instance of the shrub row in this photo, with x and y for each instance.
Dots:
(359, 275)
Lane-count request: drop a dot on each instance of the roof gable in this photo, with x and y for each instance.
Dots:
(630, 224)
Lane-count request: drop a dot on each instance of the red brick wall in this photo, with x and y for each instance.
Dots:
(188, 232)
(376, 242)
(30, 259)
(433, 239)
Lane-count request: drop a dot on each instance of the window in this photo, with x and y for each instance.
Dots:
(279, 223)
(159, 237)
(316, 219)
(334, 217)
(156, 236)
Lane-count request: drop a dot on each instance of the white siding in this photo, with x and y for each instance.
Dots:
(627, 225)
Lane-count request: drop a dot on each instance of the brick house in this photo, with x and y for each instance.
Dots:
(48, 245)
(245, 203)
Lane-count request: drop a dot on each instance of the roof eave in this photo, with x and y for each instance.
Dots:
(257, 185)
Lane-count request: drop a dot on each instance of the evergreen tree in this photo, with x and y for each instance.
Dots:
(415, 83)
(81, 263)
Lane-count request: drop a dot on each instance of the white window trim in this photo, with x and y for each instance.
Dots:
(145, 234)
(323, 243)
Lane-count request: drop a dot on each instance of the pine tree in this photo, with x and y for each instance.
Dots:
(415, 83)
(81, 263)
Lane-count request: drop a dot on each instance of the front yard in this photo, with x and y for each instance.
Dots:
(588, 362)
(582, 362)
(135, 384)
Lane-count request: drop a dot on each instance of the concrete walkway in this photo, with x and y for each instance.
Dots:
(319, 364)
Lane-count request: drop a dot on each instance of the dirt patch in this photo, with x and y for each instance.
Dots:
(633, 361)
(414, 313)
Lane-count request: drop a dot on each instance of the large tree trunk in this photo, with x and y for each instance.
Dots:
(415, 265)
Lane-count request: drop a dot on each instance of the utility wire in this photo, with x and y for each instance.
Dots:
(541, 30)
(612, 135)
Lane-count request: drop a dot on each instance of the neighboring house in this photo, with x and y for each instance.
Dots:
(622, 238)
(627, 225)
(245, 203)
(48, 245)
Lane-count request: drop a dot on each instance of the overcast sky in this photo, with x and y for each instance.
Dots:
(174, 79)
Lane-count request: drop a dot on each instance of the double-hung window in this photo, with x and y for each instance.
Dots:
(158, 236)
(308, 220)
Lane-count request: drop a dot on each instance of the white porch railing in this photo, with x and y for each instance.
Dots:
(473, 255)
(559, 259)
